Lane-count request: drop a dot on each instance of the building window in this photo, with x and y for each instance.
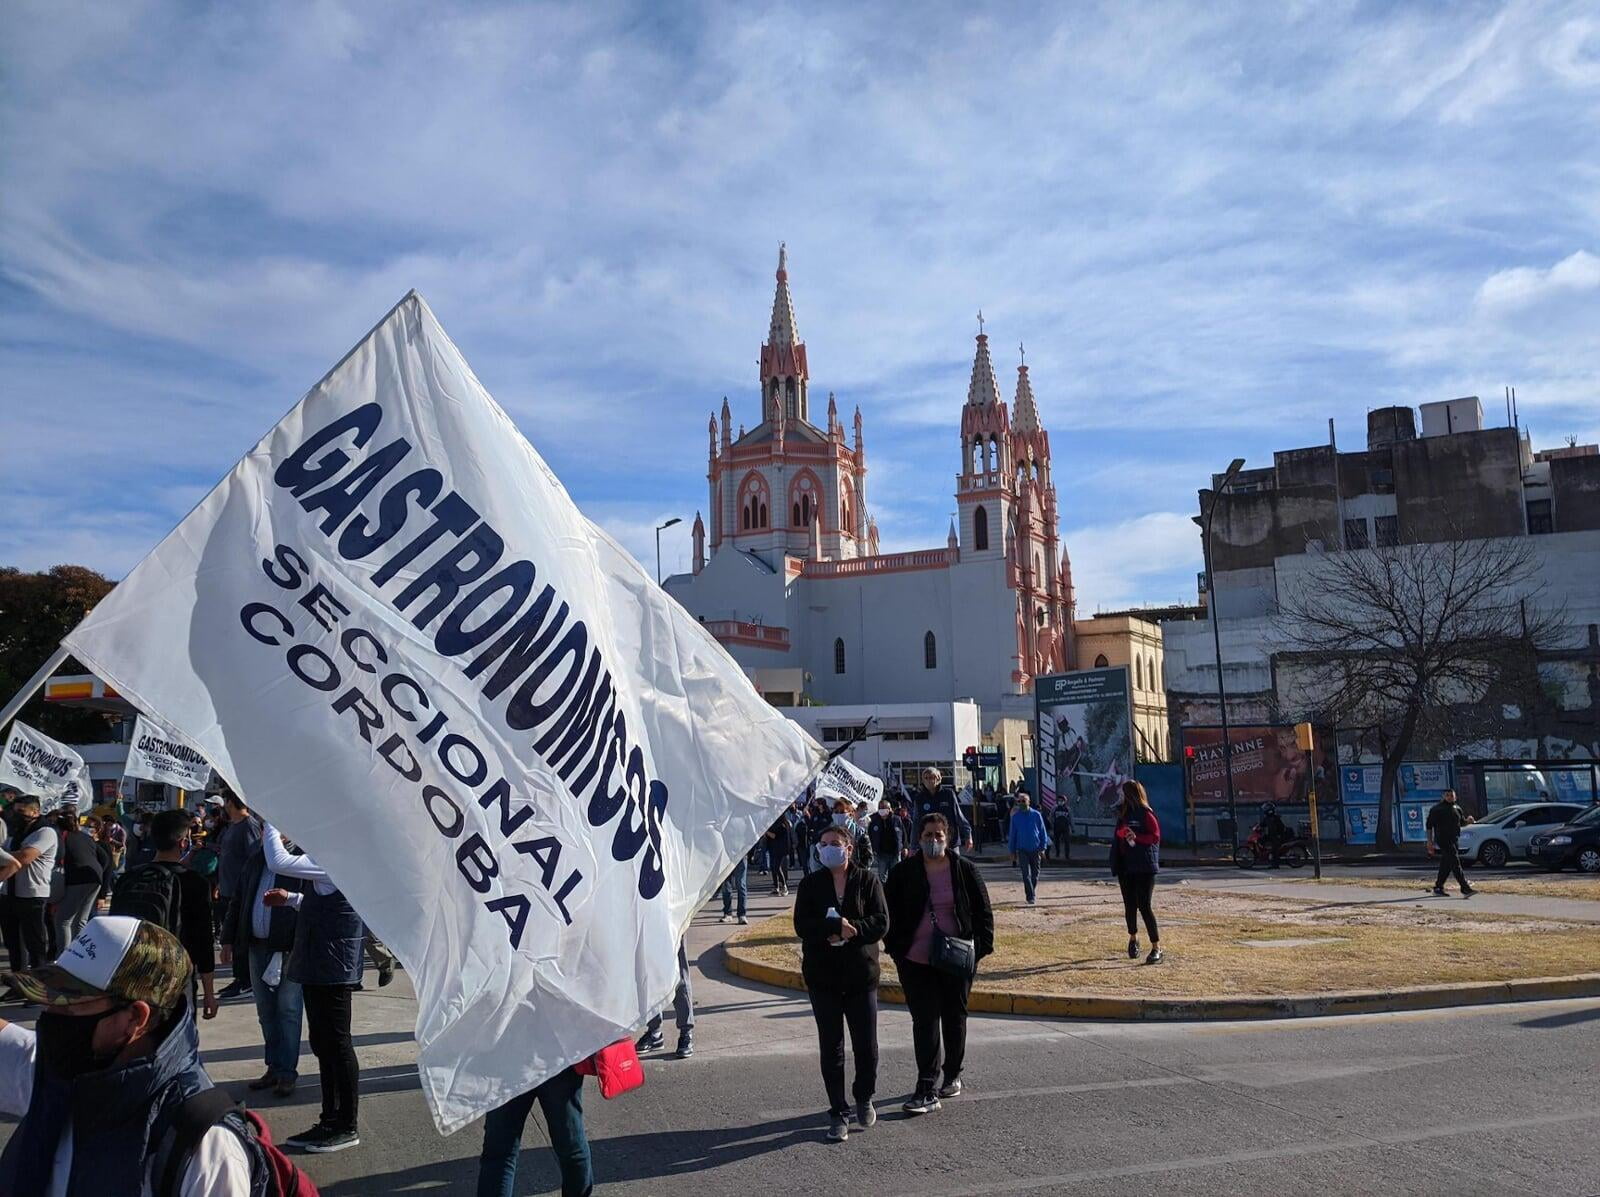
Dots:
(1355, 534)
(980, 529)
(930, 652)
(838, 656)
(1540, 517)
(1387, 528)
(1100, 661)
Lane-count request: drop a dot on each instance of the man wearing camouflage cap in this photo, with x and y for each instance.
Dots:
(100, 1079)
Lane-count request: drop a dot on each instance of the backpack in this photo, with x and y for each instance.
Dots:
(189, 1123)
(151, 892)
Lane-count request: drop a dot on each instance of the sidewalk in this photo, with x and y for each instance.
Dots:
(1341, 894)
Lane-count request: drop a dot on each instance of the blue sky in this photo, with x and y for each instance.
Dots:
(1214, 227)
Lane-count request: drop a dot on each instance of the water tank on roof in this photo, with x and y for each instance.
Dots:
(1387, 425)
(1452, 415)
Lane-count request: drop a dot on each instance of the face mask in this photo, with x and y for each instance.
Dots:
(832, 855)
(66, 1042)
(841, 819)
(933, 848)
(883, 812)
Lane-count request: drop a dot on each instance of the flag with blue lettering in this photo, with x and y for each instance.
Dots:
(393, 632)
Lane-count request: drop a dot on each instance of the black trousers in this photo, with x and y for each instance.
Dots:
(1137, 891)
(833, 1011)
(1450, 864)
(938, 1005)
(780, 870)
(328, 1028)
(26, 931)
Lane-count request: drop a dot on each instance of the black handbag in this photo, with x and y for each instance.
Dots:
(950, 953)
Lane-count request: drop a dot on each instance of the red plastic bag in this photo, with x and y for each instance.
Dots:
(617, 1068)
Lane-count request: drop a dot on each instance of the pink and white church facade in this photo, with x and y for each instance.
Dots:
(787, 573)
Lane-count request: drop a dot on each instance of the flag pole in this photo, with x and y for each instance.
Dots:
(21, 697)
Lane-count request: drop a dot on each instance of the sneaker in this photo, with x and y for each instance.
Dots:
(1438, 891)
(265, 1081)
(1133, 949)
(685, 1046)
(283, 1087)
(306, 1136)
(324, 1139)
(1467, 891)
(1155, 956)
(922, 1103)
(838, 1129)
(866, 1114)
(650, 1042)
(385, 973)
(743, 922)
(951, 1088)
(727, 918)
(233, 990)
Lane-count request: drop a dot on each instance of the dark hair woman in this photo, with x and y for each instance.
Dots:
(1135, 861)
(938, 912)
(840, 917)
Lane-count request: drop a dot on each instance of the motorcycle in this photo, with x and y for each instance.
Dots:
(1256, 851)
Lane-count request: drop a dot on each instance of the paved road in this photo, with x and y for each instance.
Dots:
(1493, 1100)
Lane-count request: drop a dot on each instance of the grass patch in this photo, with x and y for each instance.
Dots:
(1075, 943)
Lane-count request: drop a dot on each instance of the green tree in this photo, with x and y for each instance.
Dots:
(36, 611)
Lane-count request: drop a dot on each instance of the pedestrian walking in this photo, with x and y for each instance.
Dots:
(779, 842)
(934, 797)
(941, 925)
(561, 1100)
(1027, 840)
(258, 938)
(841, 916)
(682, 1012)
(1135, 861)
(168, 893)
(87, 868)
(238, 842)
(1445, 821)
(1061, 825)
(887, 835)
(109, 1079)
(735, 882)
(326, 962)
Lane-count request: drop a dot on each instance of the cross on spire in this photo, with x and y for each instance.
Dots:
(1022, 353)
(980, 322)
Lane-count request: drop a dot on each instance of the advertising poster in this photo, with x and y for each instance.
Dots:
(1422, 783)
(1267, 767)
(1085, 736)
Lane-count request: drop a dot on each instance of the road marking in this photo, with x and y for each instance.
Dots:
(982, 1183)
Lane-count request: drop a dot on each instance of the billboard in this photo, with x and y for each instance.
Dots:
(1085, 738)
(1422, 783)
(1267, 767)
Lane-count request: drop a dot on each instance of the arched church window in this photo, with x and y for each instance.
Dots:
(993, 457)
(1100, 661)
(930, 652)
(797, 521)
(980, 528)
(838, 656)
(762, 519)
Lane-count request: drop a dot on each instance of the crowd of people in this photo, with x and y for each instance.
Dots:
(117, 929)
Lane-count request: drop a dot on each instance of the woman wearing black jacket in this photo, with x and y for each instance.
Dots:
(936, 890)
(840, 916)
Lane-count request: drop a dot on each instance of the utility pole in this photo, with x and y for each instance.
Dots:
(1216, 638)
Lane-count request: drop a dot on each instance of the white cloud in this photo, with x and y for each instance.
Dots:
(1121, 564)
(1524, 286)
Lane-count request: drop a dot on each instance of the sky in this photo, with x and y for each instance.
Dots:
(1214, 227)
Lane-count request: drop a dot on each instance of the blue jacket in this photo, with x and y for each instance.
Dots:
(328, 937)
(1027, 832)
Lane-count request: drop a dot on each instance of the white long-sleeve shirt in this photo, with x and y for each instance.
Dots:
(294, 864)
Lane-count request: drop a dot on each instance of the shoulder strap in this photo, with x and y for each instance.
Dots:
(185, 1127)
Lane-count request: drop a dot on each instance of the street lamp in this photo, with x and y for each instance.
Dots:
(659, 527)
(1216, 639)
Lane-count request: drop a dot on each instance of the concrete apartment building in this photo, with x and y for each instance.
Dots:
(1452, 477)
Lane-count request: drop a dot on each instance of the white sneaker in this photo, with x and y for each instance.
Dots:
(727, 918)
(743, 922)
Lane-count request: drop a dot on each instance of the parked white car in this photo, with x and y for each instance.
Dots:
(1504, 835)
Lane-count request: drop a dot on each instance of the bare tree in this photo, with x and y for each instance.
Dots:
(1421, 642)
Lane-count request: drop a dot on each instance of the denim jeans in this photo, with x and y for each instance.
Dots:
(682, 997)
(1028, 862)
(561, 1099)
(278, 1010)
(736, 880)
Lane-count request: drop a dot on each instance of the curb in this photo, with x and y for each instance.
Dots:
(1137, 1009)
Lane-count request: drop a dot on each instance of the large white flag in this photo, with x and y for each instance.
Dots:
(36, 764)
(159, 754)
(393, 632)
